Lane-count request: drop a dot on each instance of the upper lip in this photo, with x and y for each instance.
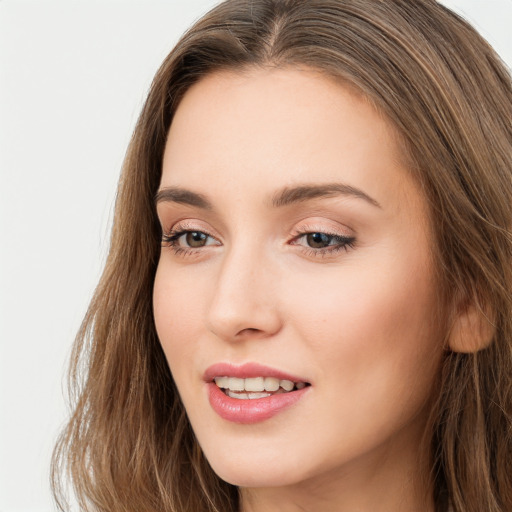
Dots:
(247, 370)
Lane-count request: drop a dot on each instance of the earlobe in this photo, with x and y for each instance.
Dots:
(472, 329)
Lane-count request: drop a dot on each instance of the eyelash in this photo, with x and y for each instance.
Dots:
(341, 243)
(171, 239)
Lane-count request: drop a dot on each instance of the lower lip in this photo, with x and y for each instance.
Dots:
(248, 411)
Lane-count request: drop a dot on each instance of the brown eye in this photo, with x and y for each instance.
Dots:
(318, 240)
(185, 240)
(196, 239)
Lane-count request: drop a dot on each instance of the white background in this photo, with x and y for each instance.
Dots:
(73, 76)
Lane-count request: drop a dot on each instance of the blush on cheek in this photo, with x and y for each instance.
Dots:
(370, 315)
(175, 301)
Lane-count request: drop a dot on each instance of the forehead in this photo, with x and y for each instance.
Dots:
(259, 129)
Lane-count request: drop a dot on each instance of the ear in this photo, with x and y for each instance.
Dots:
(472, 329)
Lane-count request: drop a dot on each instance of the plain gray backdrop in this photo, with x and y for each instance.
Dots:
(73, 77)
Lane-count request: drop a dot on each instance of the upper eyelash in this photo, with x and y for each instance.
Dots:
(171, 237)
(344, 243)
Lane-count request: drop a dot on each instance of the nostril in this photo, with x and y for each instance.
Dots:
(249, 332)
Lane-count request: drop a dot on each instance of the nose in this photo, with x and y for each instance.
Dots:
(244, 302)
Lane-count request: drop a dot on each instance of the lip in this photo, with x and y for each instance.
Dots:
(246, 371)
(249, 411)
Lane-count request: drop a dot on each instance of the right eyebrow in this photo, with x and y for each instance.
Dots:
(182, 196)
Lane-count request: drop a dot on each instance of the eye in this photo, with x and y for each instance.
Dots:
(195, 238)
(183, 241)
(319, 240)
(319, 243)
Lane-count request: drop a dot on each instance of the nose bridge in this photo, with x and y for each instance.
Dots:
(243, 300)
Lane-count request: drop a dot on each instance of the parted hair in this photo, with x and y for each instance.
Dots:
(128, 445)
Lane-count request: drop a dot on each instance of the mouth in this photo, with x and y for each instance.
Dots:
(253, 388)
(252, 393)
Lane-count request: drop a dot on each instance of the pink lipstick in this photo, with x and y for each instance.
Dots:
(251, 393)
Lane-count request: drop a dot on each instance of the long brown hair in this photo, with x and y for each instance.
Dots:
(128, 445)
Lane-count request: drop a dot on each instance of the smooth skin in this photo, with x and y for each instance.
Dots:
(335, 284)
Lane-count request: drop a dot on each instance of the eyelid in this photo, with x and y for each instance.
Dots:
(191, 225)
(343, 241)
(170, 237)
(321, 226)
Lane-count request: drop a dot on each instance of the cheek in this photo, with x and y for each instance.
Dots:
(375, 349)
(177, 306)
(372, 328)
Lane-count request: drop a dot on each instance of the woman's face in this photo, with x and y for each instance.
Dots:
(296, 248)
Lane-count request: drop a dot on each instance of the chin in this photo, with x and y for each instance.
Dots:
(255, 478)
(248, 469)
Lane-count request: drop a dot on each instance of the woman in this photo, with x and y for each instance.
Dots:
(307, 302)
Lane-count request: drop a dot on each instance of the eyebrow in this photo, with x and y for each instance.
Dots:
(182, 196)
(284, 197)
(302, 193)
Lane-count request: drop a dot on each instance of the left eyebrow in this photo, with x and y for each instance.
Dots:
(302, 193)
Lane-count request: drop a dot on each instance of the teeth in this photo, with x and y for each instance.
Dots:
(236, 384)
(247, 396)
(222, 382)
(271, 384)
(237, 395)
(256, 385)
(252, 396)
(287, 385)
(258, 395)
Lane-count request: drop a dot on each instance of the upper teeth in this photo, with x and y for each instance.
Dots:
(256, 384)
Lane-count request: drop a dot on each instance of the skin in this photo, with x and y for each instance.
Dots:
(358, 323)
